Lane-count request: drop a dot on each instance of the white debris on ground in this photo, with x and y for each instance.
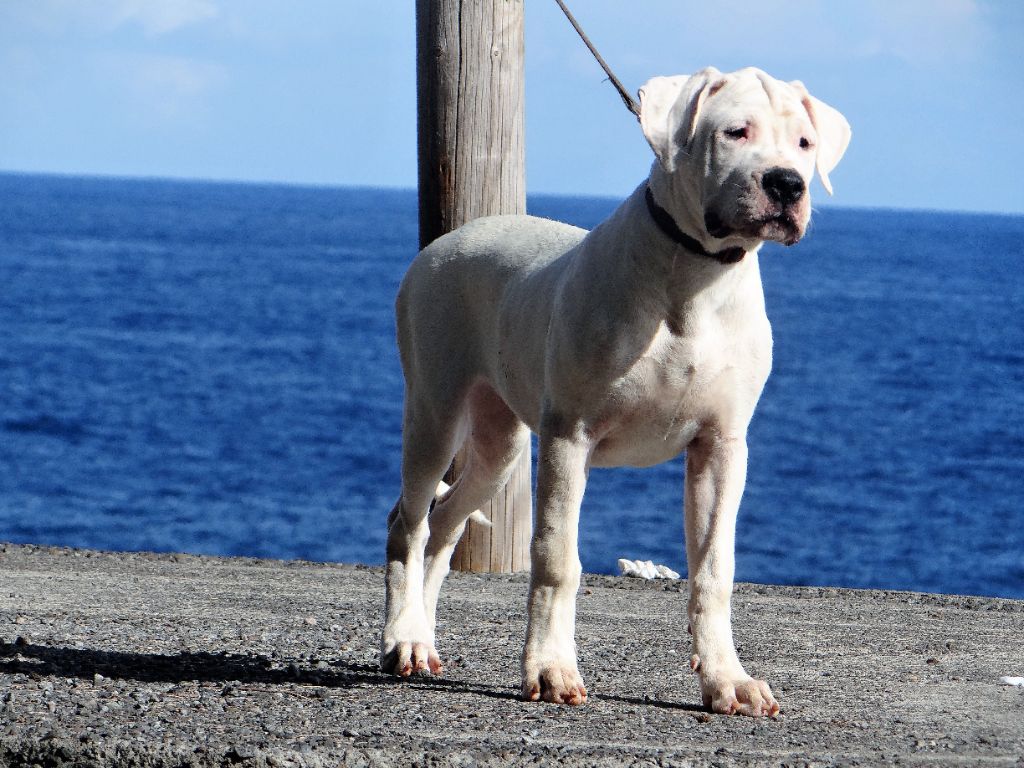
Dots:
(1007, 680)
(645, 569)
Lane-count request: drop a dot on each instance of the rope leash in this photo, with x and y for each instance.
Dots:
(629, 101)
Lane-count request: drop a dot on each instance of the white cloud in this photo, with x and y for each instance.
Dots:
(158, 17)
(164, 88)
(921, 32)
(75, 17)
(687, 34)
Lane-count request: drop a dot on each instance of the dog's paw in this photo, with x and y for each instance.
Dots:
(554, 683)
(409, 658)
(745, 696)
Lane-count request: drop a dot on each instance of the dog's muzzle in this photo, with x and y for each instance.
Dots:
(774, 208)
(785, 190)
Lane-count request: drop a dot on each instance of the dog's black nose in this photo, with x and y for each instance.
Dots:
(783, 185)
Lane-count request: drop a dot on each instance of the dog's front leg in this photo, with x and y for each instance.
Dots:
(716, 467)
(549, 658)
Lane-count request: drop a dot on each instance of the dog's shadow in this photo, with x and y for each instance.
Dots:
(249, 669)
(207, 667)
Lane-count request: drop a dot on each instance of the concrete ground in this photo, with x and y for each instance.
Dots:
(175, 660)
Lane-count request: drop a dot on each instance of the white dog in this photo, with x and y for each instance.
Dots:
(623, 346)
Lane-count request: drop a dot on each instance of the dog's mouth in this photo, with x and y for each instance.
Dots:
(782, 227)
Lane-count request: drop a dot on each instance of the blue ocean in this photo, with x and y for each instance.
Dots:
(211, 368)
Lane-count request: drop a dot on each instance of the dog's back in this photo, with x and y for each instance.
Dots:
(451, 300)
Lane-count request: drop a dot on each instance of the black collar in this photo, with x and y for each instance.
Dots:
(671, 230)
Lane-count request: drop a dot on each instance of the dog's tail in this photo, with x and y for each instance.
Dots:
(476, 515)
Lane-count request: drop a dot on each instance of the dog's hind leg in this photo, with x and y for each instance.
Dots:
(495, 441)
(429, 438)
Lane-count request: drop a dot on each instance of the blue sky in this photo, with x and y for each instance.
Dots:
(323, 91)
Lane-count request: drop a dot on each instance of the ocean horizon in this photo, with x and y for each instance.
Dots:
(613, 199)
(209, 367)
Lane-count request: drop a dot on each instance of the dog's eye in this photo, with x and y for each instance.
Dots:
(805, 143)
(740, 132)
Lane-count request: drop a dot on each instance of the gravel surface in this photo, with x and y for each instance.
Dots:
(178, 660)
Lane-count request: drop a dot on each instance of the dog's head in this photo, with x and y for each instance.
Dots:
(736, 152)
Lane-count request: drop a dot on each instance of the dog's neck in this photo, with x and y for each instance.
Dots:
(671, 230)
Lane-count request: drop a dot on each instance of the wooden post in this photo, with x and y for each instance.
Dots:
(469, 70)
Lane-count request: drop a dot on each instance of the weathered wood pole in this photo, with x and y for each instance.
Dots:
(470, 97)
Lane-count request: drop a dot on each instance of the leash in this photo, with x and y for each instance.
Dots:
(629, 101)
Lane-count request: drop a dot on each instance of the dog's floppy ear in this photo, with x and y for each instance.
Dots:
(669, 108)
(833, 133)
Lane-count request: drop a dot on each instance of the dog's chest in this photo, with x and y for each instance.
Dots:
(709, 373)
